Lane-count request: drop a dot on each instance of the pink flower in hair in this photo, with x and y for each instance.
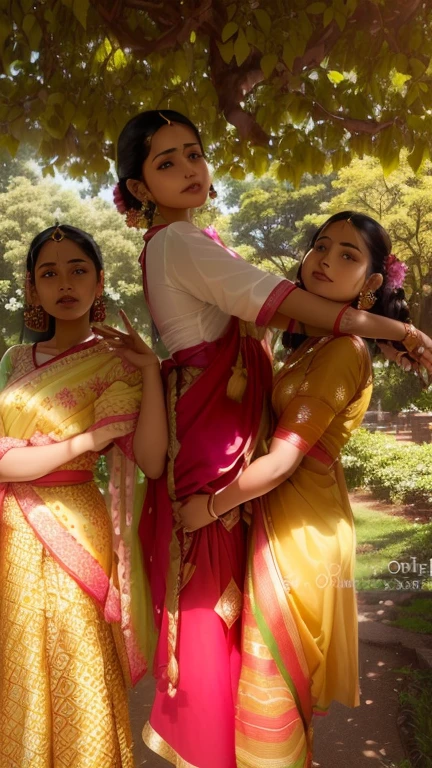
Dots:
(395, 271)
(118, 200)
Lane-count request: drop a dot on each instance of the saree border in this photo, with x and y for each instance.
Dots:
(157, 744)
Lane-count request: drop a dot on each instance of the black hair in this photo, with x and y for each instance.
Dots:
(134, 146)
(87, 245)
(390, 302)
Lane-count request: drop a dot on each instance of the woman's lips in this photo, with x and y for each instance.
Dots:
(67, 300)
(193, 188)
(321, 276)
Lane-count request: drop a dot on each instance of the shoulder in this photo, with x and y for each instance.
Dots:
(344, 351)
(14, 353)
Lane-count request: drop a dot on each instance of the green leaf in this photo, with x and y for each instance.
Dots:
(268, 63)
(340, 20)
(231, 11)
(226, 50)
(415, 158)
(241, 48)
(335, 77)
(417, 67)
(181, 65)
(288, 55)
(119, 60)
(229, 30)
(80, 10)
(399, 80)
(192, 37)
(316, 8)
(328, 16)
(264, 21)
(237, 172)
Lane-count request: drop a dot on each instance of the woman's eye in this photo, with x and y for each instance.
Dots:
(194, 156)
(80, 271)
(166, 164)
(348, 257)
(48, 274)
(320, 248)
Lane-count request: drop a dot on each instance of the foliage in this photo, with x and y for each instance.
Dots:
(27, 208)
(269, 215)
(415, 617)
(415, 702)
(395, 390)
(306, 83)
(403, 205)
(395, 472)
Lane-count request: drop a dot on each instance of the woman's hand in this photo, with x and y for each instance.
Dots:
(419, 347)
(128, 345)
(193, 514)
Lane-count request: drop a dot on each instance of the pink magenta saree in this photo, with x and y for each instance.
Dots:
(197, 579)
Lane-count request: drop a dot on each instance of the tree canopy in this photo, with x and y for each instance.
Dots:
(307, 84)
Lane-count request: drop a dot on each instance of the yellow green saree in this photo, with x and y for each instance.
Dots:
(68, 568)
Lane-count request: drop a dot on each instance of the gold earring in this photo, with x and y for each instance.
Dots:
(366, 300)
(35, 318)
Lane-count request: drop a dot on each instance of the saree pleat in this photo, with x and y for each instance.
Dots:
(77, 715)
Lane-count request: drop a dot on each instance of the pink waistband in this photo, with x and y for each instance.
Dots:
(65, 477)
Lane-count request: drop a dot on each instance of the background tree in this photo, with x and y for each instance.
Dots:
(265, 222)
(402, 203)
(298, 82)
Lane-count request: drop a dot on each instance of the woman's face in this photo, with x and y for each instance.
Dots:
(175, 172)
(338, 265)
(66, 283)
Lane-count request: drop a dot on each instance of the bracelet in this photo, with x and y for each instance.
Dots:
(210, 507)
(336, 328)
(411, 340)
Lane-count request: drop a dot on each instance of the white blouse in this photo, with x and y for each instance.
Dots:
(195, 285)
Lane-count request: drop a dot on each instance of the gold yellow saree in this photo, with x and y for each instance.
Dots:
(300, 619)
(68, 569)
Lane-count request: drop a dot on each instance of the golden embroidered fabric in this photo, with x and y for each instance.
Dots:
(157, 744)
(63, 698)
(229, 605)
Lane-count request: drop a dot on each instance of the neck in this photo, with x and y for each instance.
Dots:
(68, 334)
(171, 215)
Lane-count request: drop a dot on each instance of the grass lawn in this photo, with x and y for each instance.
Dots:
(383, 538)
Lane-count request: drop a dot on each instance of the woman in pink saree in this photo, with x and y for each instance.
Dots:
(211, 309)
(72, 634)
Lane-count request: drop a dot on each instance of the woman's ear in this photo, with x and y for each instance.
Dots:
(373, 283)
(139, 190)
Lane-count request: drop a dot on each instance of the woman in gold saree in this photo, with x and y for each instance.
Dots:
(299, 636)
(72, 634)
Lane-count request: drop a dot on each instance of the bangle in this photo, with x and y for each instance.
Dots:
(210, 507)
(411, 340)
(336, 328)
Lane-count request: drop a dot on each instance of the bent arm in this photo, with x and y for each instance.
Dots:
(31, 462)
(261, 476)
(150, 442)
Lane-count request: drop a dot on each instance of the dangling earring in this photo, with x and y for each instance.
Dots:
(98, 310)
(35, 318)
(366, 300)
(212, 192)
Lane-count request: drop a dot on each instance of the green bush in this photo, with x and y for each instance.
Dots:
(400, 473)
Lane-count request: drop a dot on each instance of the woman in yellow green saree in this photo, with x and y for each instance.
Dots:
(71, 634)
(299, 634)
